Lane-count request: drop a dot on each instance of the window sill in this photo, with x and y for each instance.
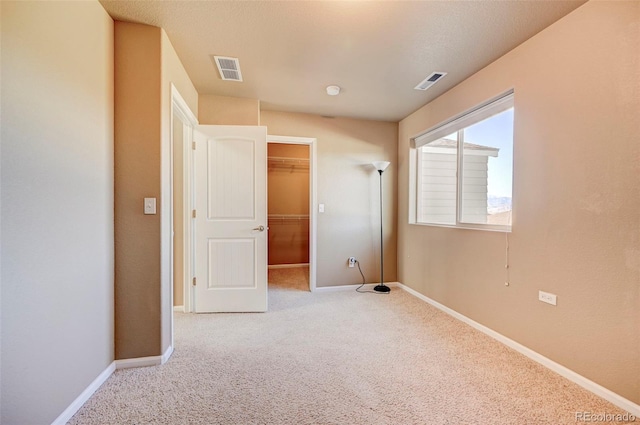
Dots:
(468, 226)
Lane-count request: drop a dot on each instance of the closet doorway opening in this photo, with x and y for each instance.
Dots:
(291, 204)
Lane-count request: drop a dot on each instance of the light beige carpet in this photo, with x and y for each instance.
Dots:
(338, 358)
(294, 278)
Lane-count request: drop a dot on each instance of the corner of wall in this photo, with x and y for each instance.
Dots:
(138, 135)
(226, 110)
(1, 336)
(173, 72)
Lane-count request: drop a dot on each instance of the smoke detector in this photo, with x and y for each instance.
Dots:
(333, 90)
(229, 68)
(430, 80)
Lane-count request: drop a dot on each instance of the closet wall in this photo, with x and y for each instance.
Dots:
(288, 203)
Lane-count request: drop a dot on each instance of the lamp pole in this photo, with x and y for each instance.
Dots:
(381, 287)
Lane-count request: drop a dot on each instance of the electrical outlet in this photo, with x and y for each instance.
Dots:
(352, 261)
(548, 298)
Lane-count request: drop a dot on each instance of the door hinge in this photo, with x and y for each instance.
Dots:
(194, 281)
(193, 145)
(193, 214)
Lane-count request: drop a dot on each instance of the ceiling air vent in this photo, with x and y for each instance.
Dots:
(430, 80)
(229, 68)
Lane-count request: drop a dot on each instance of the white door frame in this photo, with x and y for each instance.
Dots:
(311, 142)
(181, 110)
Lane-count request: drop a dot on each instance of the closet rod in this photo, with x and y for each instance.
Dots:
(295, 217)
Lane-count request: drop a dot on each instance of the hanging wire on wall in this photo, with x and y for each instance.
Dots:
(506, 259)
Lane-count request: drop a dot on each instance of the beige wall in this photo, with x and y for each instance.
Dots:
(224, 110)
(576, 226)
(288, 150)
(288, 186)
(349, 187)
(178, 213)
(288, 194)
(0, 214)
(137, 175)
(145, 65)
(57, 205)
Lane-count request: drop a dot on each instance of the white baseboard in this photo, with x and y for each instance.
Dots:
(139, 362)
(287, 266)
(337, 288)
(366, 287)
(574, 377)
(167, 354)
(178, 308)
(116, 364)
(84, 396)
(144, 361)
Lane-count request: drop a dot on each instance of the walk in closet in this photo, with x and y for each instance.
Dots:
(288, 205)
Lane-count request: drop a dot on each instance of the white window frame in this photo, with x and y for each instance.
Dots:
(461, 121)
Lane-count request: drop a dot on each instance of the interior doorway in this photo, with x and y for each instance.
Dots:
(291, 218)
(182, 123)
(182, 247)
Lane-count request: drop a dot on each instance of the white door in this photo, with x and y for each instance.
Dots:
(230, 191)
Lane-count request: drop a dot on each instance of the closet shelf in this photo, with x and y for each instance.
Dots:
(283, 160)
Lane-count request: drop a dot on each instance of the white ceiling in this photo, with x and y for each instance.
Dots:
(376, 51)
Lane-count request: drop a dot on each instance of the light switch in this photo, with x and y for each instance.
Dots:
(321, 208)
(149, 205)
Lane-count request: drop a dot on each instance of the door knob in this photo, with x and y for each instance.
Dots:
(259, 228)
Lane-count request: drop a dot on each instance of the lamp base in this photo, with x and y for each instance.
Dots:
(381, 288)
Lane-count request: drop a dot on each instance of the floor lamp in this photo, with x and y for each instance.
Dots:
(381, 166)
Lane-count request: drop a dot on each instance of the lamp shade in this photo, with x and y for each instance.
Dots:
(381, 165)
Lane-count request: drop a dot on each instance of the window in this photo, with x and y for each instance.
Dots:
(464, 169)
